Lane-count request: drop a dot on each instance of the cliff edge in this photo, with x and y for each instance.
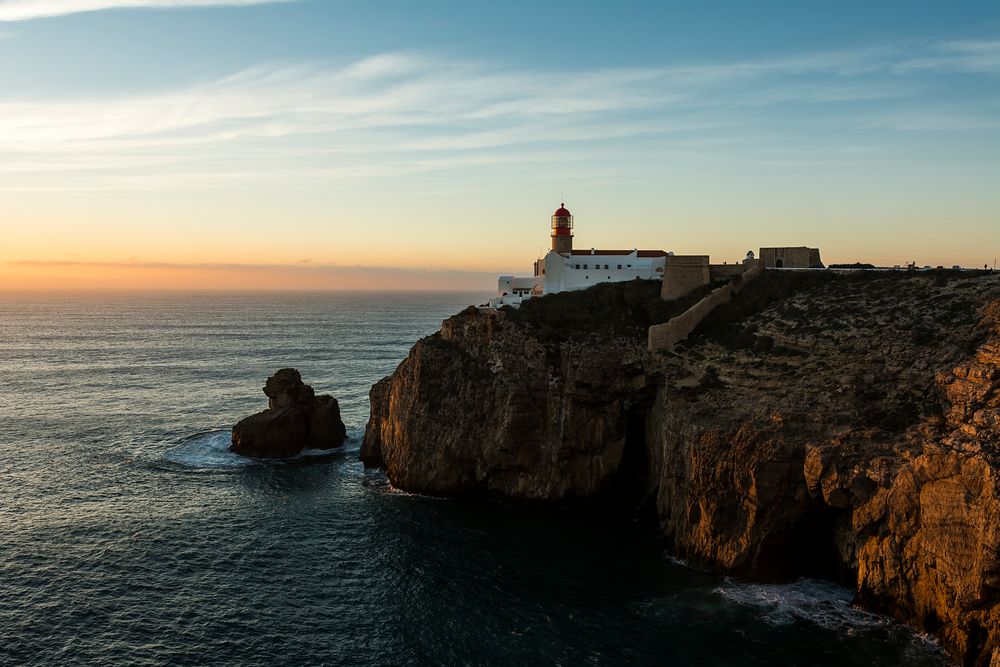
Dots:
(530, 404)
(839, 426)
(847, 430)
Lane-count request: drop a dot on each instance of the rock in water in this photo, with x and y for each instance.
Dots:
(295, 419)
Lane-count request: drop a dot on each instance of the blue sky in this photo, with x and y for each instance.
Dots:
(438, 135)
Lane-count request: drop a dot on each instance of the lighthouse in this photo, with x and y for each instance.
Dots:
(563, 269)
(562, 230)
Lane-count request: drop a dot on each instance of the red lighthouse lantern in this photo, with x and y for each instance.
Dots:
(562, 230)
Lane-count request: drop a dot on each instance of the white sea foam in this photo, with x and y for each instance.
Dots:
(309, 453)
(211, 450)
(820, 602)
(395, 491)
(206, 450)
(683, 563)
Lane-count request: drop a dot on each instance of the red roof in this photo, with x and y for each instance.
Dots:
(561, 212)
(639, 253)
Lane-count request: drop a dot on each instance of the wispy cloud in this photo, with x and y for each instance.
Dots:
(398, 113)
(964, 56)
(389, 114)
(23, 10)
(939, 119)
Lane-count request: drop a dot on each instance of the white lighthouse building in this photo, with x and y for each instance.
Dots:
(563, 268)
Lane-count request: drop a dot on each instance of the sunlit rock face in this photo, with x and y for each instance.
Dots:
(932, 552)
(295, 419)
(836, 426)
(849, 431)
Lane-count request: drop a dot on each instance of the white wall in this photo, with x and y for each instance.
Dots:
(511, 289)
(562, 274)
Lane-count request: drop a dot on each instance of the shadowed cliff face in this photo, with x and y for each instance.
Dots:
(483, 407)
(530, 404)
(836, 426)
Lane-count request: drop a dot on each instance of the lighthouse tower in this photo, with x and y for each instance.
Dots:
(562, 230)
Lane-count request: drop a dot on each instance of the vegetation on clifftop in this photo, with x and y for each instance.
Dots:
(603, 311)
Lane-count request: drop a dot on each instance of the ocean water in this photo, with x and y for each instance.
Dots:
(129, 535)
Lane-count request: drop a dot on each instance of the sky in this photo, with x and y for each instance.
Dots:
(381, 144)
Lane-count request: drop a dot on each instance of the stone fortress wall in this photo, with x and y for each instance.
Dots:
(682, 274)
(663, 337)
(800, 257)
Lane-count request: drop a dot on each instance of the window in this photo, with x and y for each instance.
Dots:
(630, 266)
(584, 266)
(619, 267)
(577, 266)
(605, 266)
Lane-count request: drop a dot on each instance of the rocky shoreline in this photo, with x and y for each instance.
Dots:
(837, 426)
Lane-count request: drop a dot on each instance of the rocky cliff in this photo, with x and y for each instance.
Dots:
(846, 427)
(847, 430)
(532, 404)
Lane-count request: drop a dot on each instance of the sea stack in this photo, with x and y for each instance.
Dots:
(295, 419)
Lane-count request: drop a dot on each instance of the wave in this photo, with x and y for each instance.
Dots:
(819, 602)
(395, 491)
(211, 450)
(376, 480)
(207, 450)
(828, 606)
